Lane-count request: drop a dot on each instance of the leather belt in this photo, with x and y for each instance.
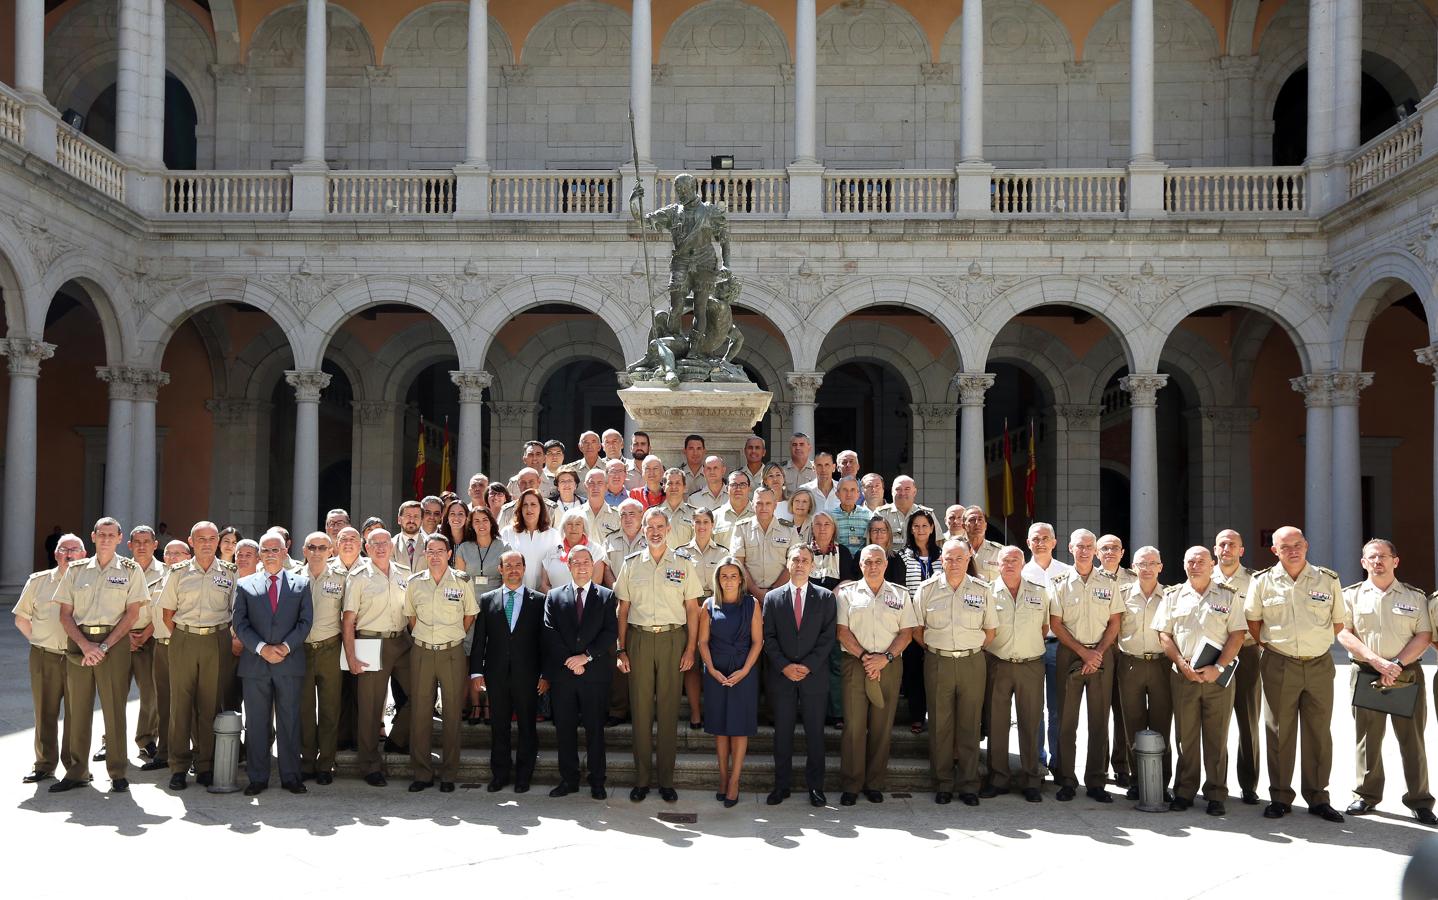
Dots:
(445, 646)
(1017, 662)
(953, 654)
(97, 629)
(378, 634)
(48, 650)
(656, 629)
(1146, 657)
(1299, 658)
(165, 641)
(201, 631)
(321, 645)
(136, 630)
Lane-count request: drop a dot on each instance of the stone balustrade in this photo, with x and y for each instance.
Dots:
(89, 162)
(393, 193)
(879, 193)
(556, 193)
(1272, 189)
(227, 193)
(1058, 192)
(1386, 155)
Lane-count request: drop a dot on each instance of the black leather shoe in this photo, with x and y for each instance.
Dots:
(561, 790)
(100, 757)
(614, 721)
(730, 804)
(1098, 795)
(817, 799)
(1032, 795)
(325, 778)
(36, 777)
(416, 786)
(1359, 808)
(521, 787)
(149, 750)
(1216, 808)
(1131, 794)
(873, 796)
(1064, 795)
(969, 799)
(1326, 813)
(697, 726)
(848, 799)
(776, 797)
(1425, 816)
(1250, 798)
(637, 795)
(497, 785)
(120, 786)
(446, 787)
(598, 793)
(943, 798)
(1178, 804)
(668, 795)
(376, 779)
(1275, 810)
(989, 792)
(1121, 779)
(177, 781)
(254, 788)
(65, 784)
(295, 787)
(205, 779)
(158, 762)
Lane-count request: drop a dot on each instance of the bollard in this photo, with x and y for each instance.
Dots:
(227, 753)
(1148, 747)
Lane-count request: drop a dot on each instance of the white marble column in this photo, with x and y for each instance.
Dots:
(1143, 457)
(806, 82)
(1317, 391)
(306, 495)
(119, 443)
(1075, 503)
(971, 84)
(516, 424)
(641, 72)
(1348, 534)
(17, 553)
(1428, 356)
(803, 387)
(30, 47)
(155, 87)
(973, 471)
(376, 482)
(1322, 78)
(315, 72)
(1348, 75)
(131, 108)
(933, 458)
(477, 86)
(471, 384)
(1140, 98)
(240, 473)
(144, 485)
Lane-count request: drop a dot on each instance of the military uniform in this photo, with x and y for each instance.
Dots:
(1016, 675)
(603, 525)
(1085, 606)
(439, 609)
(795, 476)
(1385, 621)
(703, 499)
(899, 520)
(955, 680)
(986, 560)
(160, 671)
(377, 602)
(875, 619)
(99, 597)
(1120, 741)
(619, 548)
(706, 561)
(319, 718)
(1142, 675)
(725, 520)
(47, 669)
(1298, 616)
(681, 524)
(142, 668)
(763, 551)
(201, 601)
(655, 594)
(580, 468)
(1201, 711)
(1247, 688)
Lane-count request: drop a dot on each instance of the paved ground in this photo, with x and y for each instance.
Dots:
(350, 838)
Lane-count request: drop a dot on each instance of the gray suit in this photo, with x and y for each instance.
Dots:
(272, 688)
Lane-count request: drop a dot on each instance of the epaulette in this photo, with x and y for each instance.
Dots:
(680, 552)
(1414, 588)
(127, 563)
(180, 565)
(1349, 587)
(1100, 570)
(787, 523)
(39, 574)
(420, 574)
(633, 555)
(1060, 578)
(1251, 572)
(983, 581)
(1174, 588)
(1221, 586)
(460, 574)
(714, 543)
(227, 565)
(1030, 582)
(1329, 573)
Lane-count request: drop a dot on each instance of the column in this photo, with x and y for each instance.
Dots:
(973, 470)
(1143, 462)
(641, 71)
(17, 553)
(472, 177)
(971, 84)
(1317, 391)
(1348, 75)
(376, 482)
(933, 465)
(155, 87)
(1075, 503)
(803, 387)
(517, 420)
(119, 442)
(1322, 78)
(315, 39)
(240, 473)
(469, 460)
(1428, 356)
(143, 490)
(130, 106)
(1348, 534)
(806, 172)
(1140, 97)
(308, 383)
(30, 47)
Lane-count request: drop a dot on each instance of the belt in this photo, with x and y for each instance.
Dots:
(165, 641)
(97, 629)
(197, 630)
(1299, 658)
(445, 646)
(320, 645)
(656, 629)
(1146, 657)
(48, 650)
(378, 634)
(953, 654)
(1017, 662)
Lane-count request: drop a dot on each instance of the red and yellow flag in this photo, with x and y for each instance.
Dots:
(419, 465)
(1031, 478)
(1008, 508)
(446, 477)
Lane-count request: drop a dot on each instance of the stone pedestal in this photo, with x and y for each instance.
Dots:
(725, 414)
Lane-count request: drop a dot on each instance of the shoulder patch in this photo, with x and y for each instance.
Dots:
(229, 566)
(1329, 573)
(127, 563)
(632, 555)
(1354, 586)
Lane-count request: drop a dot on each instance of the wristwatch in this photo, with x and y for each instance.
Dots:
(889, 656)
(104, 646)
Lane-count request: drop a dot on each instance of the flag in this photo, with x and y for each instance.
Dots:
(1031, 478)
(446, 477)
(1008, 508)
(419, 465)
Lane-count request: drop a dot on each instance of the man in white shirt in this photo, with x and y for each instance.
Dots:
(1041, 569)
(824, 486)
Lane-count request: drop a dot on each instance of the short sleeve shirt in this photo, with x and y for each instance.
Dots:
(762, 550)
(439, 607)
(99, 594)
(376, 598)
(1085, 605)
(875, 619)
(1298, 614)
(725, 519)
(1386, 620)
(656, 590)
(705, 561)
(1188, 616)
(986, 560)
(1241, 581)
(37, 603)
(200, 598)
(1022, 618)
(954, 618)
(1136, 636)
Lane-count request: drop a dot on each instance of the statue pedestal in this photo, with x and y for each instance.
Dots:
(725, 414)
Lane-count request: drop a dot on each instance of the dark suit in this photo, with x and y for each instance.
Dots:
(580, 698)
(510, 662)
(808, 645)
(272, 689)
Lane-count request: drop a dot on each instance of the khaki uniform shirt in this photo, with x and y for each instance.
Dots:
(1187, 616)
(693, 481)
(986, 560)
(327, 594)
(620, 547)
(600, 526)
(1123, 576)
(898, 520)
(681, 523)
(439, 607)
(1085, 606)
(725, 518)
(1385, 620)
(1136, 636)
(153, 572)
(37, 603)
(705, 561)
(1298, 615)
(793, 477)
(376, 599)
(705, 500)
(1022, 620)
(156, 587)
(199, 598)
(546, 483)
(763, 551)
(875, 619)
(656, 590)
(98, 595)
(1241, 581)
(580, 468)
(954, 618)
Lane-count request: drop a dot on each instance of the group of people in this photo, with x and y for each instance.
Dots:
(601, 590)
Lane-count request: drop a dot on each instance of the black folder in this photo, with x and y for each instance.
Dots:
(1399, 700)
(1207, 655)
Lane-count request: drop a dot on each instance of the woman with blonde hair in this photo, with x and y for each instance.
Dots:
(731, 637)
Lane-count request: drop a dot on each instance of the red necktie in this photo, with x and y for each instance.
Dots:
(274, 594)
(798, 608)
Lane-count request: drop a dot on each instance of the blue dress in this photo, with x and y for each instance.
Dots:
(731, 711)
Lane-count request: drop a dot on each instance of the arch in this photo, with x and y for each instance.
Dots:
(1203, 372)
(278, 40)
(875, 33)
(226, 23)
(372, 290)
(105, 291)
(1140, 341)
(1365, 294)
(261, 362)
(1044, 357)
(1181, 33)
(159, 322)
(585, 33)
(763, 352)
(764, 299)
(405, 355)
(854, 295)
(17, 276)
(1248, 339)
(1011, 28)
(1297, 315)
(438, 30)
(890, 346)
(744, 28)
(538, 376)
(626, 317)
(1242, 18)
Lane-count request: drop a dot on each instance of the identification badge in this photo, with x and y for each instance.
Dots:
(331, 588)
(117, 580)
(453, 594)
(781, 540)
(1035, 602)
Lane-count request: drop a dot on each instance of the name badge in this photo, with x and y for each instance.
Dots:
(1035, 602)
(117, 580)
(974, 601)
(674, 576)
(1320, 597)
(223, 583)
(781, 540)
(453, 594)
(1103, 593)
(1405, 609)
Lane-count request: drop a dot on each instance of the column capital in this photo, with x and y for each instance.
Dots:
(972, 386)
(122, 387)
(26, 354)
(1079, 415)
(1428, 356)
(803, 386)
(937, 415)
(1143, 389)
(1348, 385)
(514, 414)
(471, 384)
(1317, 389)
(308, 383)
(147, 383)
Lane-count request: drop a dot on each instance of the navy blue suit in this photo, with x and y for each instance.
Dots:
(580, 699)
(272, 688)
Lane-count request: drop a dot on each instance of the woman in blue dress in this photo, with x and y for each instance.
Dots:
(731, 636)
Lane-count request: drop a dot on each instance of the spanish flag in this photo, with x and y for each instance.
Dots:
(1008, 508)
(446, 477)
(419, 465)
(1031, 478)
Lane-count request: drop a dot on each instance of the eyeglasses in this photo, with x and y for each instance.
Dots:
(264, 550)
(316, 548)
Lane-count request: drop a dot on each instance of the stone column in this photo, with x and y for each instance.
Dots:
(240, 475)
(143, 488)
(641, 72)
(17, 553)
(309, 179)
(933, 466)
(131, 108)
(806, 172)
(30, 47)
(1326, 184)
(516, 425)
(1348, 77)
(119, 443)
(1348, 534)
(1428, 356)
(1143, 463)
(971, 84)
(973, 469)
(1076, 479)
(377, 482)
(1238, 73)
(1145, 173)
(803, 387)
(155, 88)
(469, 459)
(1221, 470)
(472, 177)
(1317, 391)
(308, 384)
